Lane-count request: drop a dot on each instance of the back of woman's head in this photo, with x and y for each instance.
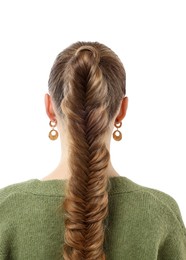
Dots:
(87, 84)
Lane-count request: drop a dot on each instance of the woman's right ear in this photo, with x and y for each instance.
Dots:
(49, 107)
(123, 110)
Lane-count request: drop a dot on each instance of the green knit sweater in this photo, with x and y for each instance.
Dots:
(143, 223)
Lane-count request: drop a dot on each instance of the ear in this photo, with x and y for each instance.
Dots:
(49, 107)
(123, 110)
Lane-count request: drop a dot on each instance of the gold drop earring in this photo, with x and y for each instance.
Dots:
(53, 134)
(117, 135)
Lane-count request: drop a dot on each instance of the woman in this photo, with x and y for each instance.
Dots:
(84, 209)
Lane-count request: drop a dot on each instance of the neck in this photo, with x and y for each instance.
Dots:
(62, 171)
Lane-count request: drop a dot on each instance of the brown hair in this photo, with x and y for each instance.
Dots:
(87, 84)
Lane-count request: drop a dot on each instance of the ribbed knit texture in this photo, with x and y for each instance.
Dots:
(143, 223)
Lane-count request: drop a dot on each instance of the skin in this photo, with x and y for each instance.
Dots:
(62, 170)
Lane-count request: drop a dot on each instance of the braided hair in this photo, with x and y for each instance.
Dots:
(87, 83)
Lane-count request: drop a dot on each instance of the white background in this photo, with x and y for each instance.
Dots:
(149, 36)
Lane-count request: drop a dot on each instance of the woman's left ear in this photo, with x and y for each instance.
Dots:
(49, 107)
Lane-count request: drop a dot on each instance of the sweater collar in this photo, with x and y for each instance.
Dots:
(56, 187)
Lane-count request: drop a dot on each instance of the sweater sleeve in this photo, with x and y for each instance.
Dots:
(4, 228)
(171, 203)
(3, 245)
(174, 246)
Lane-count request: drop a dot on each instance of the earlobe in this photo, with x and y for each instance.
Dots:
(49, 107)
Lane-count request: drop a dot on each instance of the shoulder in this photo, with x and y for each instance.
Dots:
(125, 185)
(169, 206)
(155, 202)
(166, 200)
(15, 203)
(173, 244)
(168, 203)
(10, 191)
(11, 207)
